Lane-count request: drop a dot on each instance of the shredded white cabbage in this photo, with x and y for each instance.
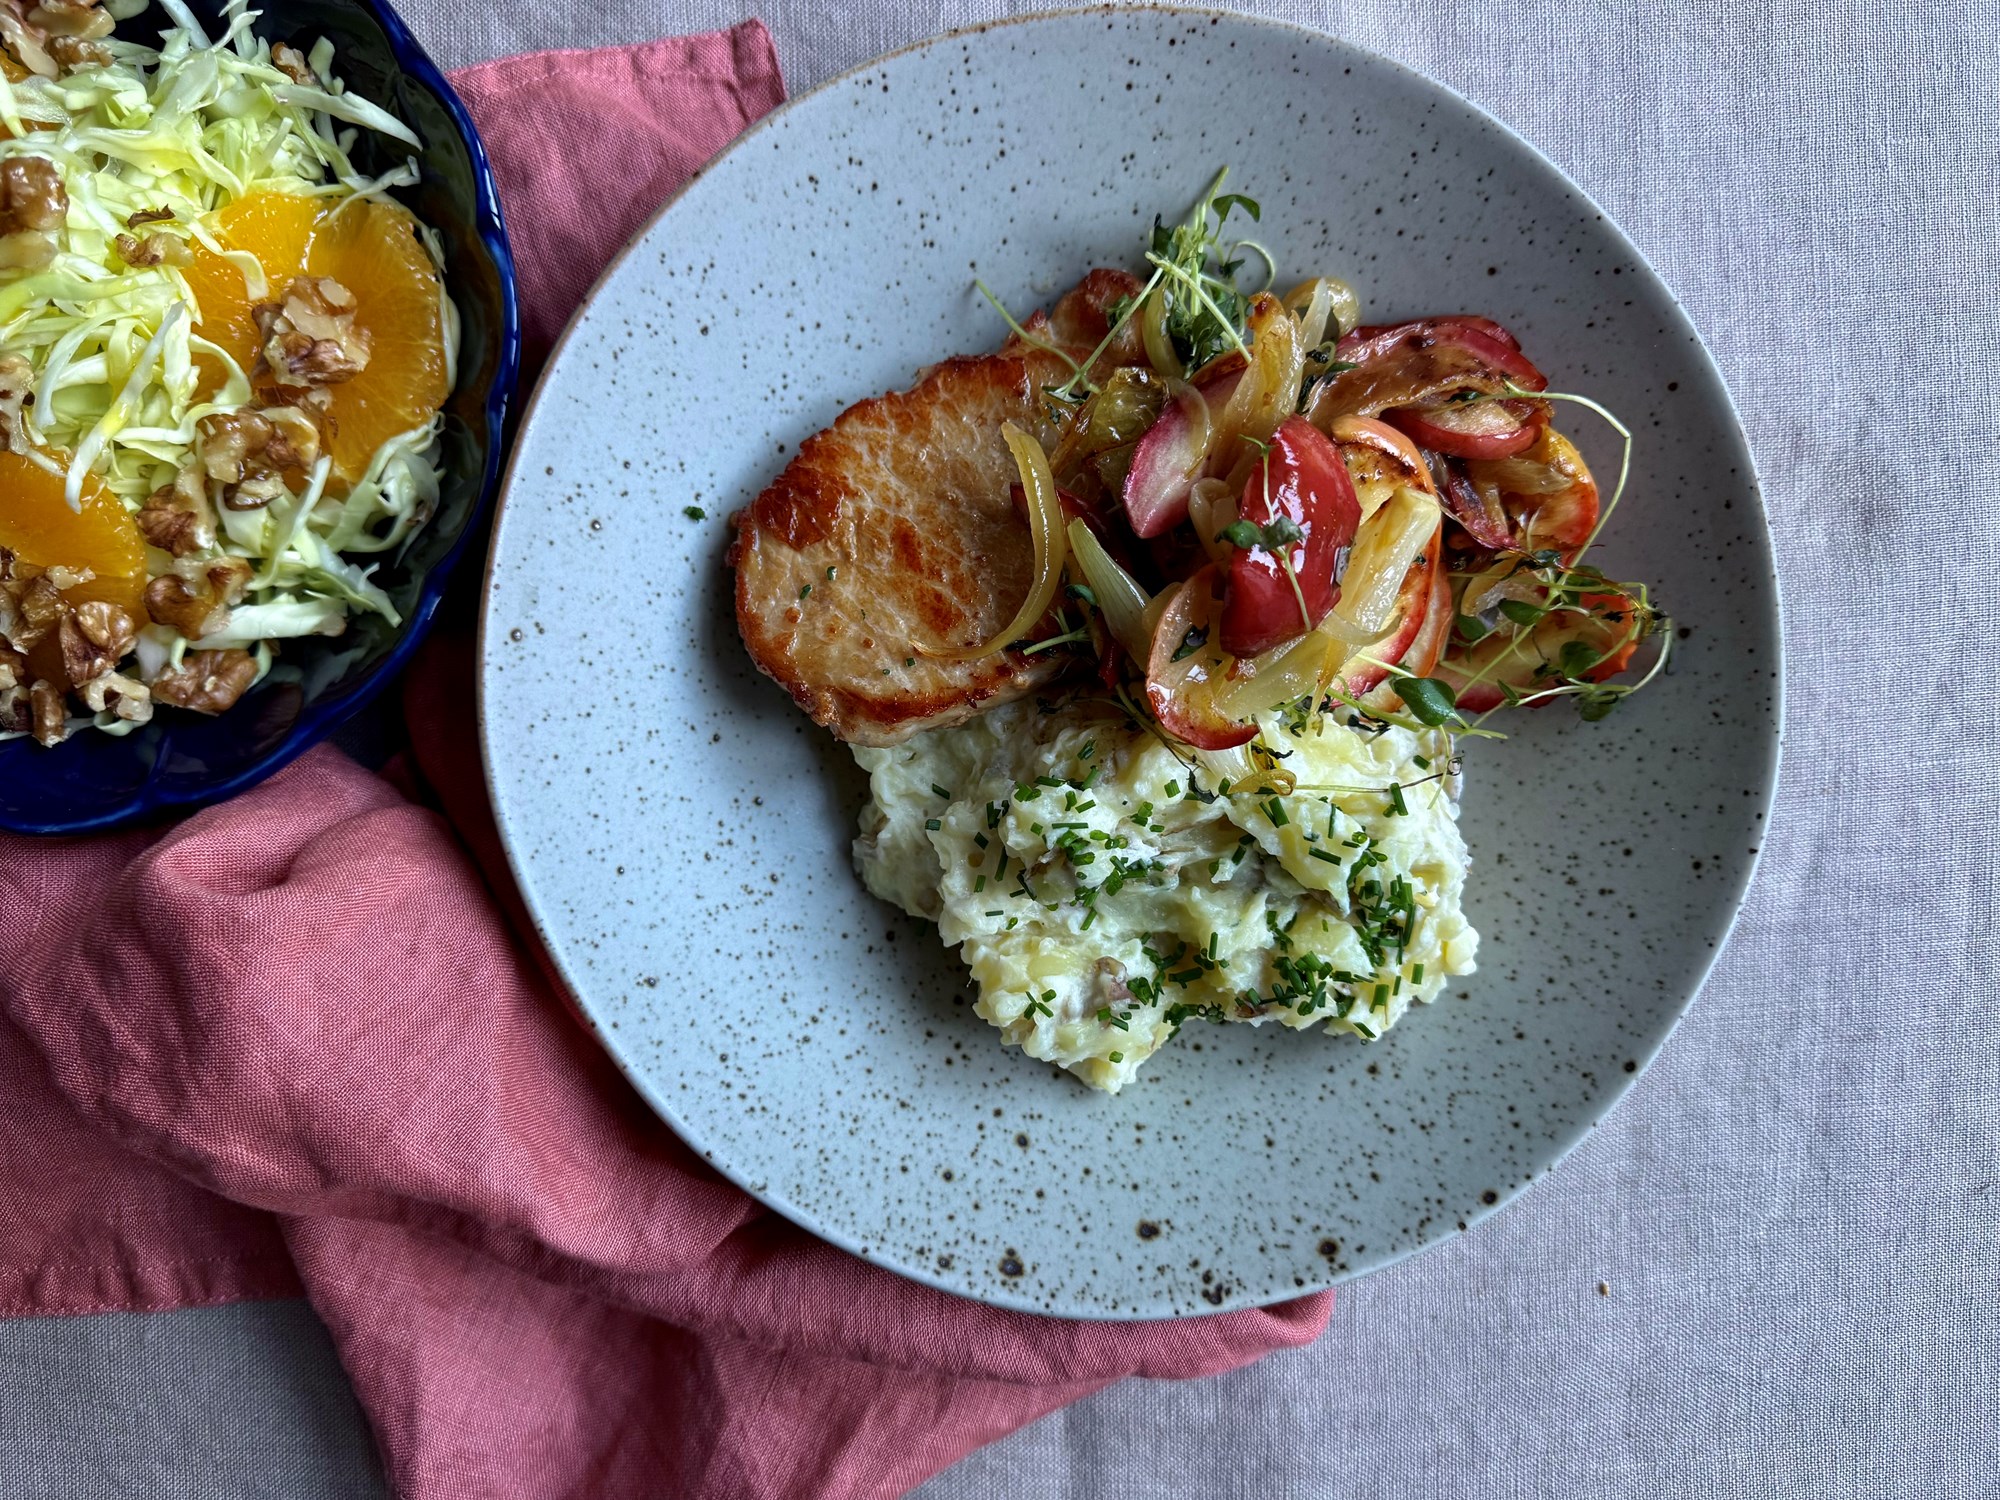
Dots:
(192, 126)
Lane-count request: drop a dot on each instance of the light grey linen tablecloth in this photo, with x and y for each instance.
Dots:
(1776, 1270)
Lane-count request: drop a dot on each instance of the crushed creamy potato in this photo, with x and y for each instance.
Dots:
(1105, 890)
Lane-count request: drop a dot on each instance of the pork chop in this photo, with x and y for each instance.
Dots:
(893, 530)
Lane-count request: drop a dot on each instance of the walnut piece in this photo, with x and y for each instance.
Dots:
(37, 607)
(294, 440)
(49, 719)
(148, 216)
(80, 19)
(253, 494)
(17, 393)
(229, 577)
(74, 52)
(33, 205)
(153, 250)
(248, 452)
(198, 605)
(172, 602)
(227, 442)
(95, 637)
(124, 696)
(308, 337)
(206, 681)
(174, 531)
(189, 609)
(13, 670)
(292, 63)
(177, 518)
(32, 195)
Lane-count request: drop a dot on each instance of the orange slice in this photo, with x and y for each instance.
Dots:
(372, 249)
(274, 227)
(37, 525)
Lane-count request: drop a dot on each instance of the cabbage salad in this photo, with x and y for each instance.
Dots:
(206, 514)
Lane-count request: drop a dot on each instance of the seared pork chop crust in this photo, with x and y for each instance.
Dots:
(893, 530)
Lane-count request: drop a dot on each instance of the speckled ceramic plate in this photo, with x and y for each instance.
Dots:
(681, 832)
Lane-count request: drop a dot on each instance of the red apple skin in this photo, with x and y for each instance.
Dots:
(1485, 522)
(1423, 428)
(1482, 335)
(1304, 479)
(1182, 693)
(1416, 364)
(1165, 464)
(1439, 616)
(1519, 672)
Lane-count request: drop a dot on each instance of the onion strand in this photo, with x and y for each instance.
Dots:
(1119, 598)
(1160, 351)
(1045, 529)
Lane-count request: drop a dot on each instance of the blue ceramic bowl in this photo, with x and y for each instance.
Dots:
(181, 760)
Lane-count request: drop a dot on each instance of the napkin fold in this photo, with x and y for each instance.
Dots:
(298, 1042)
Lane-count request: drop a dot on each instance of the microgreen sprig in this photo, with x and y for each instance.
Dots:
(1206, 319)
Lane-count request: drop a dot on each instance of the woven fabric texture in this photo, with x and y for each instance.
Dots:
(1773, 1271)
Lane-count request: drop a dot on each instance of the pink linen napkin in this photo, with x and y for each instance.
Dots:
(298, 1043)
